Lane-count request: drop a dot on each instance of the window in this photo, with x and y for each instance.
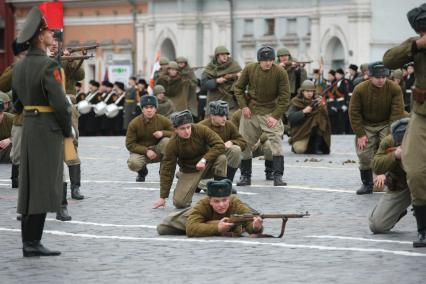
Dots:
(270, 26)
(291, 26)
(248, 27)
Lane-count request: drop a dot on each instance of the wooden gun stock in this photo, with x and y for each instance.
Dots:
(82, 49)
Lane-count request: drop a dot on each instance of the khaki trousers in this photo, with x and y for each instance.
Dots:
(263, 150)
(5, 155)
(252, 128)
(137, 162)
(375, 134)
(386, 213)
(414, 158)
(188, 182)
(174, 223)
(301, 146)
(16, 137)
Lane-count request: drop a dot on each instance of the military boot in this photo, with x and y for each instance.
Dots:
(367, 182)
(317, 145)
(142, 174)
(63, 215)
(230, 173)
(269, 170)
(15, 176)
(35, 248)
(278, 164)
(75, 178)
(420, 214)
(245, 168)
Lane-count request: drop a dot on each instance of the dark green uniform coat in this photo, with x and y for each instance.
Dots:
(42, 149)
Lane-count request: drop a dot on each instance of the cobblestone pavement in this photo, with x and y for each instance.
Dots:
(112, 238)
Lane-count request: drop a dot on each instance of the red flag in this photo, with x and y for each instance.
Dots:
(53, 12)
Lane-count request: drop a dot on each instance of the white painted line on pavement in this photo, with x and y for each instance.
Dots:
(360, 239)
(305, 187)
(314, 167)
(248, 243)
(157, 189)
(103, 224)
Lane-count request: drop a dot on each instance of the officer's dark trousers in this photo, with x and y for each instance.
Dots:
(32, 227)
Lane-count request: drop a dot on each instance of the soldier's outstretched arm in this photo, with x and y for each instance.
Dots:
(399, 55)
(52, 83)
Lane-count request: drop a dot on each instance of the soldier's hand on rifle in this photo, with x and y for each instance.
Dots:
(221, 80)
(224, 226)
(159, 203)
(228, 144)
(379, 181)
(398, 153)
(257, 223)
(151, 154)
(271, 122)
(246, 112)
(362, 142)
(66, 52)
(307, 109)
(158, 134)
(201, 165)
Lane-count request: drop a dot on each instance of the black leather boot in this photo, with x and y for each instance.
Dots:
(420, 214)
(230, 173)
(269, 170)
(317, 145)
(35, 248)
(15, 176)
(367, 182)
(278, 164)
(75, 178)
(142, 174)
(63, 215)
(245, 168)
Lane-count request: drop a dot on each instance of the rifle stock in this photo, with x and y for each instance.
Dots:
(82, 49)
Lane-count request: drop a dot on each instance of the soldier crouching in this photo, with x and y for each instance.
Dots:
(209, 216)
(198, 151)
(387, 165)
(309, 123)
(147, 137)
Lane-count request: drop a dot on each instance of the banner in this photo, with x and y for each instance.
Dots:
(53, 12)
(120, 73)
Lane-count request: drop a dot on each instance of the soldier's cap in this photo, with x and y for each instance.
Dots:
(149, 100)
(398, 129)
(164, 61)
(107, 83)
(219, 188)
(340, 71)
(181, 59)
(417, 18)
(353, 67)
(397, 74)
(159, 89)
(316, 71)
(181, 117)
(94, 83)
(173, 65)
(142, 82)
(377, 69)
(1, 106)
(77, 84)
(265, 53)
(221, 49)
(120, 85)
(332, 72)
(17, 48)
(307, 85)
(219, 108)
(4, 97)
(34, 23)
(283, 51)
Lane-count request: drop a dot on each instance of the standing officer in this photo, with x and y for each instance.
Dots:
(147, 137)
(198, 151)
(264, 105)
(130, 103)
(374, 105)
(414, 144)
(232, 139)
(296, 72)
(47, 120)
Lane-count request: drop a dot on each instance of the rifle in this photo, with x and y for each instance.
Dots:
(297, 63)
(238, 219)
(82, 49)
(198, 67)
(76, 57)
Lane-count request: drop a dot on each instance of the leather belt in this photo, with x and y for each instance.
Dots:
(39, 108)
(130, 101)
(419, 95)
